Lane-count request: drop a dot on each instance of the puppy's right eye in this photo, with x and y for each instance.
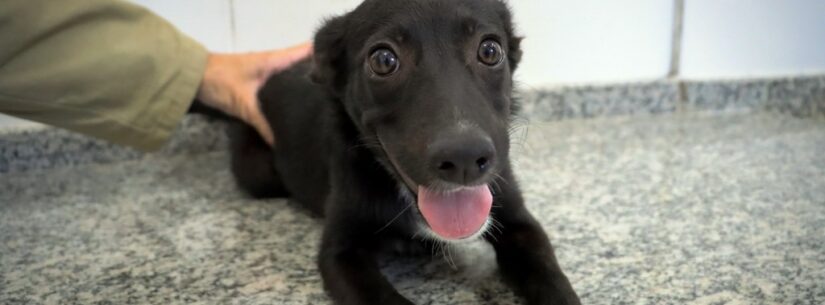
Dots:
(490, 52)
(383, 62)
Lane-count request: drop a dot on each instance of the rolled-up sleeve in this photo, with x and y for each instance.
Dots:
(106, 68)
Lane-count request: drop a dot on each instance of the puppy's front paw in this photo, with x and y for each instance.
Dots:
(555, 300)
(563, 300)
(558, 293)
(402, 302)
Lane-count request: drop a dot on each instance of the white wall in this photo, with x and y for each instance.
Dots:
(263, 24)
(7, 121)
(594, 41)
(248, 25)
(208, 21)
(568, 41)
(753, 38)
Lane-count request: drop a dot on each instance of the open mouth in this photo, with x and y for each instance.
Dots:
(452, 214)
(456, 214)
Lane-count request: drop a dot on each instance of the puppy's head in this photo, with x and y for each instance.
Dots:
(430, 82)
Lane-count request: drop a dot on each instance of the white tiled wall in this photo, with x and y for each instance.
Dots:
(208, 21)
(7, 121)
(587, 41)
(753, 38)
(568, 41)
(264, 24)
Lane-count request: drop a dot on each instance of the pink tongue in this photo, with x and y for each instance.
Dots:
(458, 214)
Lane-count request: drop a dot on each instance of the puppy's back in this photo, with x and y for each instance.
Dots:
(297, 110)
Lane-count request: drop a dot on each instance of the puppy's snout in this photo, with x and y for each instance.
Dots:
(462, 158)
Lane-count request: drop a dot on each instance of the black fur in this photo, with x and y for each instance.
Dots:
(351, 145)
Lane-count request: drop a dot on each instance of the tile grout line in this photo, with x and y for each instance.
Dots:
(233, 25)
(676, 41)
(676, 55)
(674, 76)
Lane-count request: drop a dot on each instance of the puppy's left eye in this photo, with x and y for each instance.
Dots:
(490, 52)
(383, 62)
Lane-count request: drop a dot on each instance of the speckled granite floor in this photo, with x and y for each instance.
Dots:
(671, 209)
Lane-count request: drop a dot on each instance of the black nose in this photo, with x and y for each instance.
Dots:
(462, 157)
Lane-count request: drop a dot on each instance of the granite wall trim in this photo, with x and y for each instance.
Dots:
(36, 147)
(800, 96)
(559, 103)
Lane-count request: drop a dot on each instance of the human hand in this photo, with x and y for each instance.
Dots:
(231, 83)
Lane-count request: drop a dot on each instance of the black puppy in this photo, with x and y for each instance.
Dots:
(402, 134)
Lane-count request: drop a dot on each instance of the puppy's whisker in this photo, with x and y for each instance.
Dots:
(444, 248)
(494, 190)
(495, 187)
(449, 256)
(489, 234)
(367, 143)
(518, 131)
(439, 247)
(499, 180)
(494, 224)
(394, 218)
(362, 144)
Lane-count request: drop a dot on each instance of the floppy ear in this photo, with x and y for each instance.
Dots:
(328, 65)
(514, 52)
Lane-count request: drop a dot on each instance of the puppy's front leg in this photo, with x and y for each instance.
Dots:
(524, 254)
(350, 272)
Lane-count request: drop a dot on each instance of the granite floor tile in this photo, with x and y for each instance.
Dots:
(670, 209)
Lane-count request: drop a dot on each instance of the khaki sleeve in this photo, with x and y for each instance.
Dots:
(106, 68)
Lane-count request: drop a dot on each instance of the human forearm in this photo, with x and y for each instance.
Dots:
(105, 68)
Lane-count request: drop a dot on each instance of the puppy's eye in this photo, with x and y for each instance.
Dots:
(383, 62)
(490, 52)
